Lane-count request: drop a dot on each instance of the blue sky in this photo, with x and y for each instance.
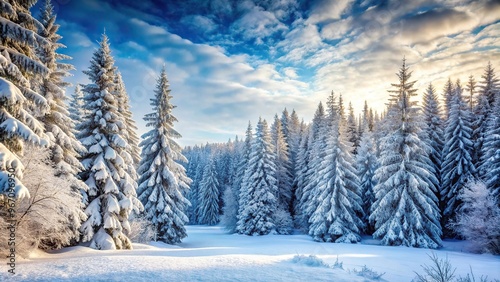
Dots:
(229, 62)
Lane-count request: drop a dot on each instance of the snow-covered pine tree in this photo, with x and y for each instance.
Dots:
(208, 211)
(406, 211)
(293, 141)
(309, 178)
(471, 89)
(337, 203)
(366, 164)
(351, 129)
(18, 62)
(457, 166)
(259, 202)
(111, 194)
(433, 128)
(491, 151)
(284, 178)
(130, 126)
(231, 194)
(163, 183)
(448, 93)
(488, 88)
(293, 138)
(241, 178)
(302, 168)
(58, 124)
(282, 161)
(60, 128)
(76, 106)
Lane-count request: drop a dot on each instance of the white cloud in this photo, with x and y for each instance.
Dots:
(257, 24)
(199, 23)
(328, 10)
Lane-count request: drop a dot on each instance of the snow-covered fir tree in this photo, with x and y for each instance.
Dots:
(283, 164)
(60, 128)
(76, 106)
(208, 211)
(448, 93)
(457, 165)
(259, 196)
(308, 179)
(491, 151)
(163, 183)
(434, 130)
(18, 62)
(130, 126)
(488, 90)
(300, 181)
(406, 211)
(111, 194)
(471, 90)
(58, 124)
(337, 203)
(351, 130)
(231, 194)
(366, 164)
(241, 183)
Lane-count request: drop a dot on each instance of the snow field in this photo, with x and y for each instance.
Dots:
(209, 254)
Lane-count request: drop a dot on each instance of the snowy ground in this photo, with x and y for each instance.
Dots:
(209, 254)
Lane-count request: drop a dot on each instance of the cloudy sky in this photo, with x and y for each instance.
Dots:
(231, 61)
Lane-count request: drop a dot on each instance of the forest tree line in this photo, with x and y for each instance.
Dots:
(410, 176)
(74, 171)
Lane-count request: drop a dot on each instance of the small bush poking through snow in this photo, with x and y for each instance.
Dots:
(310, 260)
(368, 273)
(141, 230)
(440, 270)
(338, 264)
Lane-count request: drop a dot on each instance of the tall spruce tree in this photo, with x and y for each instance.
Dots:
(406, 211)
(433, 129)
(300, 182)
(208, 211)
(241, 184)
(315, 155)
(76, 107)
(259, 201)
(60, 128)
(283, 165)
(491, 151)
(488, 89)
(130, 126)
(366, 165)
(337, 203)
(351, 130)
(163, 183)
(18, 62)
(111, 194)
(448, 93)
(457, 166)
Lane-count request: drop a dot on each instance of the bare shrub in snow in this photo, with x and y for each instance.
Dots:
(283, 222)
(368, 273)
(141, 230)
(310, 260)
(230, 209)
(478, 217)
(440, 270)
(50, 218)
